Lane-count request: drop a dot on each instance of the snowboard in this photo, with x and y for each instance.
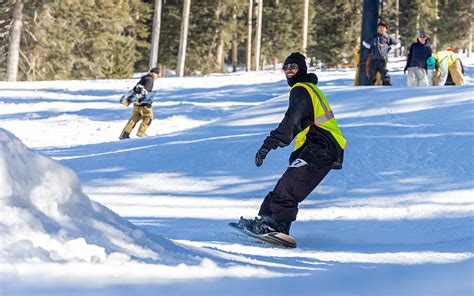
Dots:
(275, 238)
(127, 98)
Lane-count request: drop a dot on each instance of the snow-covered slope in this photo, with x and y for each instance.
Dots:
(396, 220)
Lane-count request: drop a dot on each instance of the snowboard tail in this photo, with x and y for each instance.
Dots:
(274, 238)
(127, 98)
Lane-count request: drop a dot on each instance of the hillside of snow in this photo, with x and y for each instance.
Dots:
(85, 213)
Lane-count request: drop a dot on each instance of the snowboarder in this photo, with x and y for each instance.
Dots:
(319, 148)
(448, 62)
(142, 107)
(379, 46)
(416, 65)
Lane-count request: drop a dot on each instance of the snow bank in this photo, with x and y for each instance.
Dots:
(47, 223)
(47, 217)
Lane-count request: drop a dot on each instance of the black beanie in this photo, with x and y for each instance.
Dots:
(297, 58)
(155, 70)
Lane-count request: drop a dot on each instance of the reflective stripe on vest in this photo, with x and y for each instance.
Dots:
(324, 119)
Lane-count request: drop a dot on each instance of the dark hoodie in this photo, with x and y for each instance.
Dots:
(146, 81)
(418, 55)
(321, 148)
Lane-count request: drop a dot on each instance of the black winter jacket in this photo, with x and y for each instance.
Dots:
(321, 148)
(146, 81)
(418, 55)
(380, 45)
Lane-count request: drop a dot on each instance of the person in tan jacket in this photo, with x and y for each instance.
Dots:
(142, 109)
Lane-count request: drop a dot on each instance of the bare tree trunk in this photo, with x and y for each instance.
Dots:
(469, 42)
(258, 37)
(184, 38)
(215, 55)
(249, 36)
(235, 45)
(304, 40)
(155, 37)
(14, 41)
(397, 26)
(435, 28)
(220, 52)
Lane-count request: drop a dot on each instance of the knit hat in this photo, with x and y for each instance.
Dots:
(383, 24)
(299, 59)
(155, 70)
(421, 32)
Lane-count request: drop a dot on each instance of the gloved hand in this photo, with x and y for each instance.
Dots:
(261, 154)
(405, 70)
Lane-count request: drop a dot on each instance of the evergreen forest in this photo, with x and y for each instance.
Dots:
(111, 39)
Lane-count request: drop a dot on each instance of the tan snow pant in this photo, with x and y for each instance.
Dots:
(145, 114)
(456, 73)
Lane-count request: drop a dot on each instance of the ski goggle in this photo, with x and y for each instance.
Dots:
(291, 66)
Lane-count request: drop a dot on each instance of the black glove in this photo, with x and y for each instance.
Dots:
(405, 70)
(261, 154)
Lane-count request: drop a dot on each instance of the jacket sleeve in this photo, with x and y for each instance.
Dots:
(298, 116)
(394, 43)
(146, 82)
(427, 55)
(409, 56)
(443, 69)
(367, 43)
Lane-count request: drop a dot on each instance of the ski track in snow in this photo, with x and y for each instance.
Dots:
(403, 201)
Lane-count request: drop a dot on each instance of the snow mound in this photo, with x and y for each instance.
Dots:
(46, 217)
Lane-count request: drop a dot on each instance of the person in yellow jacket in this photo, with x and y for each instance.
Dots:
(142, 107)
(319, 148)
(447, 62)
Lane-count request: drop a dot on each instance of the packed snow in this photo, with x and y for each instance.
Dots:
(84, 213)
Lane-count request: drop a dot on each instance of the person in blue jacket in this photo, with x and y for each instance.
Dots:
(416, 65)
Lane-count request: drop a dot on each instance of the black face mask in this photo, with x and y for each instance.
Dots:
(297, 78)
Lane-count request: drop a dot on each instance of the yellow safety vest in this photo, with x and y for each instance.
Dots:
(440, 56)
(323, 116)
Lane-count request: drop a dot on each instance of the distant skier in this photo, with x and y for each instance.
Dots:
(319, 148)
(379, 46)
(447, 62)
(417, 58)
(142, 107)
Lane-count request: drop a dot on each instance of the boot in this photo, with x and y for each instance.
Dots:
(246, 223)
(266, 224)
(124, 135)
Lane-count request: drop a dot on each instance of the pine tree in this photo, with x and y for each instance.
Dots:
(86, 39)
(282, 34)
(454, 23)
(212, 27)
(336, 29)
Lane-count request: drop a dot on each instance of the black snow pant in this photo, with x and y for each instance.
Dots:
(379, 66)
(293, 187)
